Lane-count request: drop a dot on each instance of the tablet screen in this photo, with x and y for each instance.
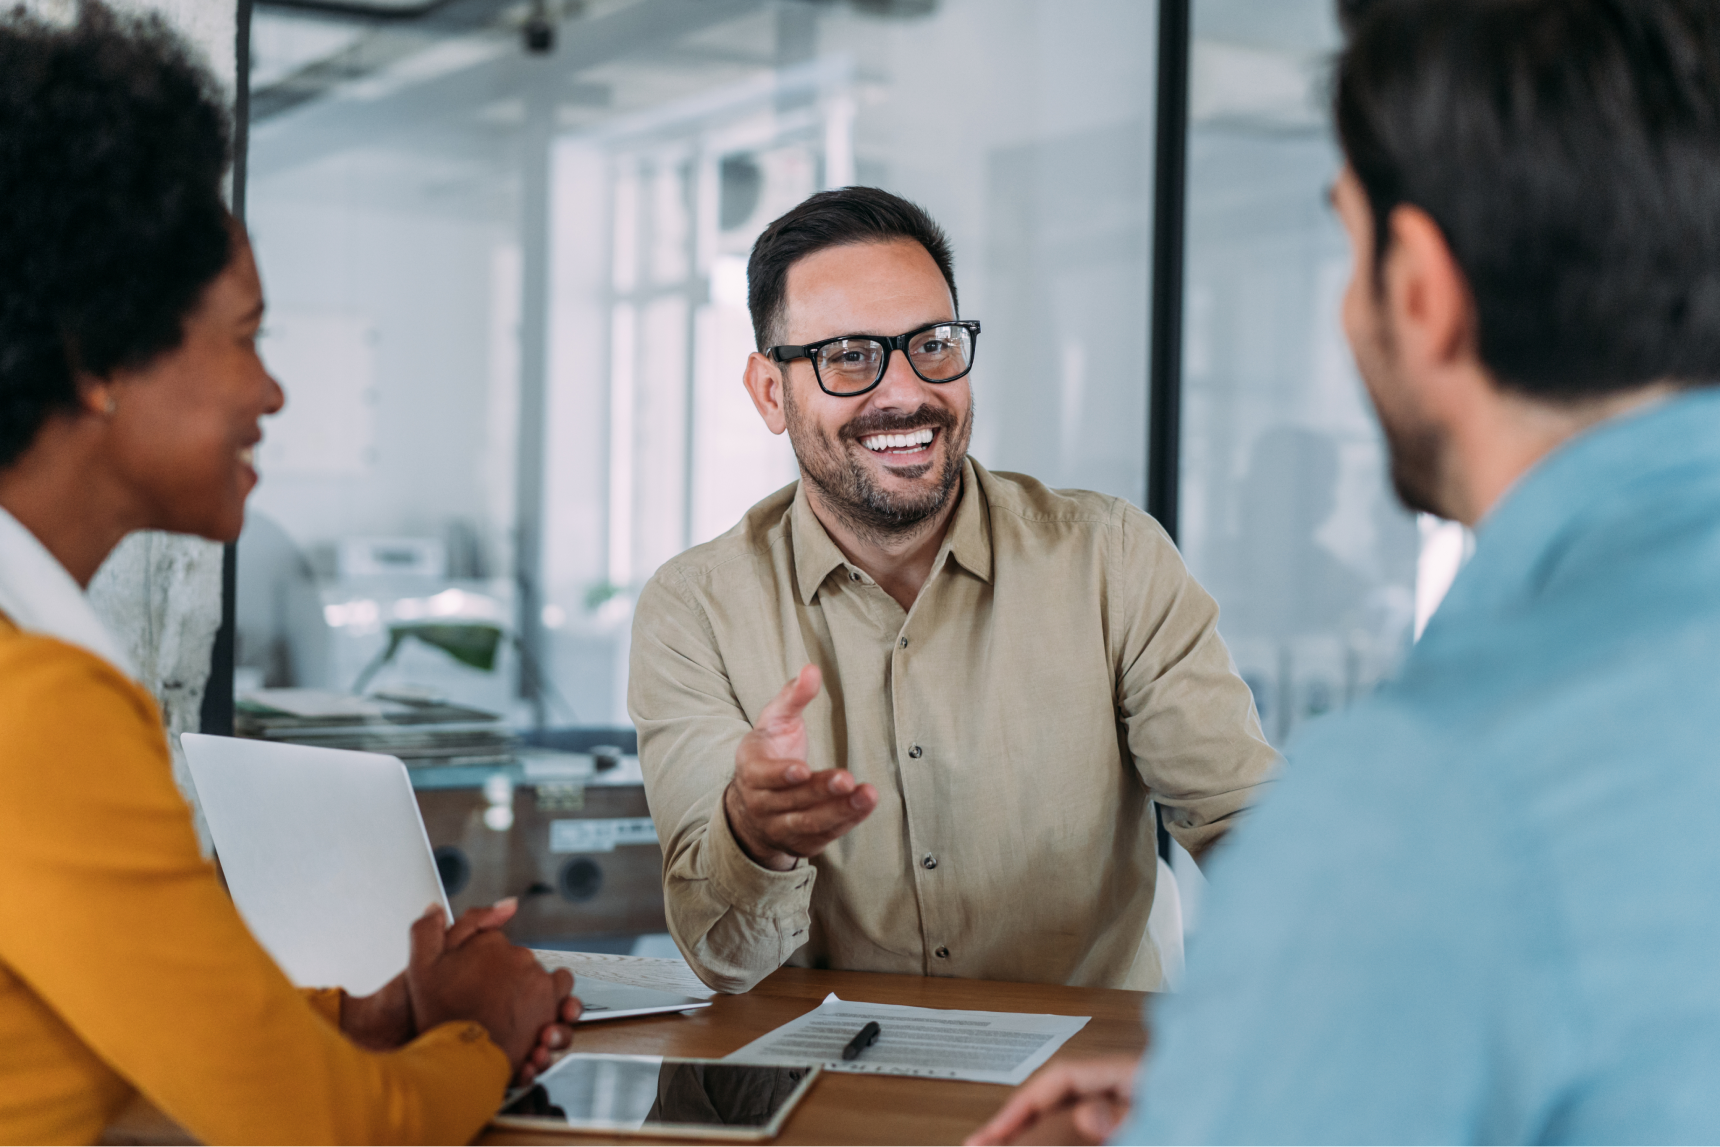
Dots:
(633, 1093)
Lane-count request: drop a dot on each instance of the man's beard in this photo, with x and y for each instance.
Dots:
(1416, 453)
(1416, 447)
(846, 485)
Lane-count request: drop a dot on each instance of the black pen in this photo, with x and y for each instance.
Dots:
(867, 1037)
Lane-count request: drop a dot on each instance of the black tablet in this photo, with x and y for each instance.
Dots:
(651, 1095)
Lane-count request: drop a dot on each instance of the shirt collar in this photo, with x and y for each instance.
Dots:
(39, 596)
(1582, 485)
(967, 540)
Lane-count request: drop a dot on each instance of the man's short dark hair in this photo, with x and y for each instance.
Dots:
(837, 218)
(113, 143)
(1570, 152)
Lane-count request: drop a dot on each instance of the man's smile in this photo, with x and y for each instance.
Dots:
(904, 445)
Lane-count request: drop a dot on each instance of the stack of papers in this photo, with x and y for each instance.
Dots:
(985, 1047)
(417, 730)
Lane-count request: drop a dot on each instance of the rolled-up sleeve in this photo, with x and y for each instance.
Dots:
(734, 920)
(1190, 719)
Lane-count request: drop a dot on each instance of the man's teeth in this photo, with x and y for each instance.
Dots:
(898, 441)
(248, 455)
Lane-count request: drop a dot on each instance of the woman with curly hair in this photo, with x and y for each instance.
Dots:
(130, 398)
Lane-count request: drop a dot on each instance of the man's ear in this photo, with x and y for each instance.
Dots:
(764, 381)
(1429, 300)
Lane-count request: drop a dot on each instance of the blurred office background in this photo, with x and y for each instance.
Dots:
(504, 246)
(507, 291)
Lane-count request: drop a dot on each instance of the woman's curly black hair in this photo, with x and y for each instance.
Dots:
(113, 143)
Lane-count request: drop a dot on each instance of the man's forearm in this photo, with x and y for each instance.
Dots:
(736, 920)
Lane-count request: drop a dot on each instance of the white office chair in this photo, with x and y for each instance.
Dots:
(1165, 927)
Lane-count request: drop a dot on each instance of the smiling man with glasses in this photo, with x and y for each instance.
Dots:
(987, 680)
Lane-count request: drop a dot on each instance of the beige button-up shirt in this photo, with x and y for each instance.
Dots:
(1059, 669)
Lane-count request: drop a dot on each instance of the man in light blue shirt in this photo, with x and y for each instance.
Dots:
(1484, 904)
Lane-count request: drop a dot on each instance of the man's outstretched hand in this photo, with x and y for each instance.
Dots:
(778, 808)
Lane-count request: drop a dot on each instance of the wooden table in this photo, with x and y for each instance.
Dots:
(845, 1108)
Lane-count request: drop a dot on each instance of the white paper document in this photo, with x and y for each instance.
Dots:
(985, 1047)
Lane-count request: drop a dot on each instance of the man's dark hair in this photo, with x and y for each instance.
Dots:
(837, 218)
(113, 143)
(1570, 152)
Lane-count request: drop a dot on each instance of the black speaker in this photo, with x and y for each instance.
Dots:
(454, 869)
(581, 879)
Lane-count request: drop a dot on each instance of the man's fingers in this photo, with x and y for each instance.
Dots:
(428, 932)
(810, 829)
(817, 789)
(1097, 1118)
(1051, 1088)
(795, 696)
(767, 772)
(1111, 1077)
(1093, 1090)
(562, 980)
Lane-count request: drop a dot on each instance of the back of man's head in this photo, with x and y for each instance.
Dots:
(839, 218)
(1570, 152)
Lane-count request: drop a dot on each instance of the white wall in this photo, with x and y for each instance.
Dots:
(422, 282)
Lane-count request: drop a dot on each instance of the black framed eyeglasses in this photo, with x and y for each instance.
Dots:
(850, 365)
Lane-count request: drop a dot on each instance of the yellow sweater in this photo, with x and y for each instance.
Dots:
(125, 967)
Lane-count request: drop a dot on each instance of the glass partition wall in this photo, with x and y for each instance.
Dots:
(1285, 510)
(505, 246)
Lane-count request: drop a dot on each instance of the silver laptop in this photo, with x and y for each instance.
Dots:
(327, 859)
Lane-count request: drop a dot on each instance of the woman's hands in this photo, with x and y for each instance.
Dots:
(448, 978)
(556, 1035)
(1082, 1101)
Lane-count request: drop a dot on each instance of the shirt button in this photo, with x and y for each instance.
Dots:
(853, 575)
(942, 953)
(928, 861)
(904, 643)
(915, 752)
